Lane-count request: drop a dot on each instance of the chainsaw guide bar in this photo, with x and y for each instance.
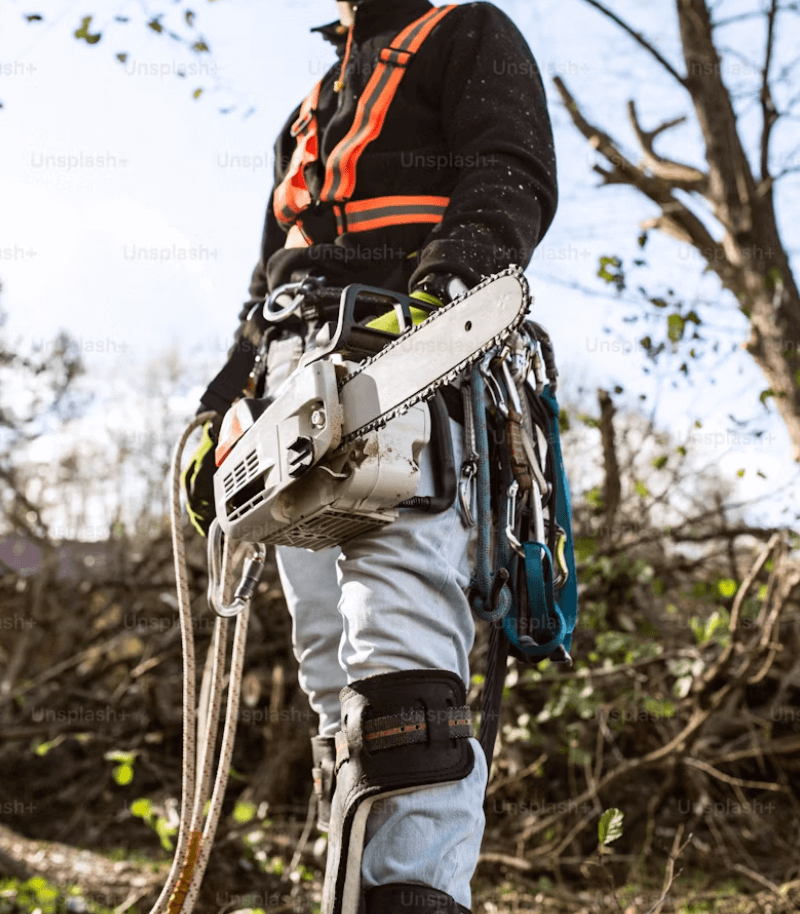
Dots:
(412, 367)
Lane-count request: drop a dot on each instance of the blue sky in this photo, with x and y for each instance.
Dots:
(131, 213)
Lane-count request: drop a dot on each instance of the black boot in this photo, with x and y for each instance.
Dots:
(323, 751)
(408, 898)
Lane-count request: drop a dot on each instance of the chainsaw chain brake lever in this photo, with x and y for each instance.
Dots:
(354, 341)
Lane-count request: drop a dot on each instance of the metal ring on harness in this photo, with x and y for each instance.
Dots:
(275, 314)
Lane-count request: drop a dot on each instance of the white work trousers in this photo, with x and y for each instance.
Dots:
(384, 602)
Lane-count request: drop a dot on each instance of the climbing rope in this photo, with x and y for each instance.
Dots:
(195, 838)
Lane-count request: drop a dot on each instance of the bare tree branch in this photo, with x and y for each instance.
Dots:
(639, 39)
(676, 217)
(678, 174)
(769, 114)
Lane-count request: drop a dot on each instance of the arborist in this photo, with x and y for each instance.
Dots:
(421, 162)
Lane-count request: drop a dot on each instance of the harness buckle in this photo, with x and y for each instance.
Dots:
(302, 123)
(396, 57)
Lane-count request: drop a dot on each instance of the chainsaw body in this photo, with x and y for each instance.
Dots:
(288, 482)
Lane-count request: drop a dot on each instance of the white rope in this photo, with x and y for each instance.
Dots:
(199, 730)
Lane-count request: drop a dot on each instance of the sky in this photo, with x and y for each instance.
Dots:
(131, 212)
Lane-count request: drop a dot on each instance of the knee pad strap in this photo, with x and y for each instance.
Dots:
(410, 898)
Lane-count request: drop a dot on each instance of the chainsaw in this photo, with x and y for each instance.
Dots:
(335, 452)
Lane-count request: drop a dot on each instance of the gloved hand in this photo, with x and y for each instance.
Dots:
(434, 289)
(198, 479)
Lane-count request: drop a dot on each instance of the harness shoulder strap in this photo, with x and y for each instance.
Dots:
(292, 195)
(373, 106)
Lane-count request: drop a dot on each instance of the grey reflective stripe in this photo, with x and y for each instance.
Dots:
(354, 219)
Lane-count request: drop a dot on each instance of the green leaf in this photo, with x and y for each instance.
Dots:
(563, 421)
(659, 708)
(681, 450)
(200, 46)
(740, 473)
(617, 277)
(123, 774)
(44, 748)
(676, 326)
(164, 833)
(244, 812)
(189, 16)
(659, 302)
(122, 58)
(609, 828)
(585, 547)
(83, 32)
(142, 808)
(659, 462)
(641, 489)
(197, 93)
(155, 25)
(727, 587)
(594, 497)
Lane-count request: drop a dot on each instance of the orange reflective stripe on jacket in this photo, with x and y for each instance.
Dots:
(292, 196)
(366, 215)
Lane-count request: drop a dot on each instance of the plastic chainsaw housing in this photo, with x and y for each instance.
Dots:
(288, 482)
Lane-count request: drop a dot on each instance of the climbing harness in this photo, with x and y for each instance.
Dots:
(294, 205)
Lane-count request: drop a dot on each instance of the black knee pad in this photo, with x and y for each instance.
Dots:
(409, 898)
(400, 732)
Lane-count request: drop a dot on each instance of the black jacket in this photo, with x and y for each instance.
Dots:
(469, 121)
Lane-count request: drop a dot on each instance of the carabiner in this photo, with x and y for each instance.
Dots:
(560, 558)
(251, 574)
(511, 510)
(469, 469)
(511, 387)
(494, 389)
(298, 289)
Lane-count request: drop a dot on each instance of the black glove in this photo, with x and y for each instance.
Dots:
(198, 479)
(443, 287)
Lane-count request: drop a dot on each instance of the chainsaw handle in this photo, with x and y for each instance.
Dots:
(352, 339)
